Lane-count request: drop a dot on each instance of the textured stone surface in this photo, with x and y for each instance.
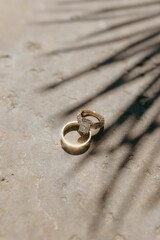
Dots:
(57, 57)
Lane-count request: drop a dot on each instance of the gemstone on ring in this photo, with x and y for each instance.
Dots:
(85, 125)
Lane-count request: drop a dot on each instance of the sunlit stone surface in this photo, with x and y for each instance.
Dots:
(56, 58)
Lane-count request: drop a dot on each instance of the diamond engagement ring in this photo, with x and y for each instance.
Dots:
(86, 124)
(83, 126)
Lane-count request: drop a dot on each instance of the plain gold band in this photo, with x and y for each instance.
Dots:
(71, 148)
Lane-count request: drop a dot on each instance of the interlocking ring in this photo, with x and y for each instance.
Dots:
(71, 148)
(87, 124)
(83, 126)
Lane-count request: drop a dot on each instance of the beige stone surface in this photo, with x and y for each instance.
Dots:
(59, 56)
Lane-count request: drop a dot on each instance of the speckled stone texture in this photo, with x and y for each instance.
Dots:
(60, 56)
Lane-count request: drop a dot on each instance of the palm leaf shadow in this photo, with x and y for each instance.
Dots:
(148, 44)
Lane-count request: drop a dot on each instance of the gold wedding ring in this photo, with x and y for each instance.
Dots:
(83, 126)
(71, 148)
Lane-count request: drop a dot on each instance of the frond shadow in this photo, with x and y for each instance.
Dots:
(145, 48)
